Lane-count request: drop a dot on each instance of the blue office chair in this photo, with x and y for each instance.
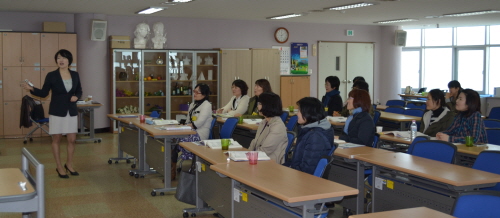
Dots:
(417, 139)
(494, 113)
(227, 129)
(395, 109)
(291, 137)
(39, 125)
(154, 114)
(416, 105)
(477, 204)
(400, 103)
(211, 135)
(493, 136)
(292, 122)
(488, 161)
(490, 123)
(434, 150)
(414, 112)
(376, 116)
(283, 116)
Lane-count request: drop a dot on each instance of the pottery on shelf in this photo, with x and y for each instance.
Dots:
(199, 60)
(209, 60)
(123, 76)
(184, 76)
(186, 61)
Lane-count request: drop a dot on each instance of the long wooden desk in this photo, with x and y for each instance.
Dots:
(417, 212)
(282, 186)
(406, 97)
(400, 118)
(128, 142)
(87, 110)
(211, 189)
(243, 133)
(348, 171)
(403, 181)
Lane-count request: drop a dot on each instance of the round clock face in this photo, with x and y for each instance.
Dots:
(281, 35)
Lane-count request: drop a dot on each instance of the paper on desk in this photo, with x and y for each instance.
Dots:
(349, 145)
(339, 141)
(242, 155)
(337, 119)
(223, 115)
(252, 121)
(403, 134)
(216, 144)
(173, 127)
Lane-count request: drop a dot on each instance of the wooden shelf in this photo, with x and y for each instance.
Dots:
(154, 96)
(155, 80)
(206, 65)
(207, 80)
(180, 96)
(155, 65)
(127, 97)
(177, 112)
(181, 80)
(128, 81)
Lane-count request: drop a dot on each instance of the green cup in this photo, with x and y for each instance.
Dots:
(240, 120)
(225, 143)
(290, 108)
(469, 141)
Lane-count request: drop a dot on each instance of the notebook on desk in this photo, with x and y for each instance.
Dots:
(223, 115)
(127, 116)
(252, 121)
(165, 122)
(337, 119)
(242, 155)
(173, 127)
(216, 144)
(402, 134)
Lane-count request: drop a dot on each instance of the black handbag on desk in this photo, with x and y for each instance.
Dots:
(186, 188)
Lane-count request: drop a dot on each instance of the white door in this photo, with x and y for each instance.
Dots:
(359, 63)
(331, 62)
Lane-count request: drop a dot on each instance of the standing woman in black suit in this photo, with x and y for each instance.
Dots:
(66, 90)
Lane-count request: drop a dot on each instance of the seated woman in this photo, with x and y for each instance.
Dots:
(451, 97)
(359, 127)
(199, 117)
(468, 121)
(315, 138)
(332, 99)
(359, 84)
(261, 86)
(271, 134)
(438, 117)
(239, 102)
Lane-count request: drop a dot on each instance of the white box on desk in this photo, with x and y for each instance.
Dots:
(497, 92)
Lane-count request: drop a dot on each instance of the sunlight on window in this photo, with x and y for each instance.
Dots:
(495, 35)
(494, 78)
(438, 37)
(410, 66)
(413, 38)
(470, 69)
(470, 35)
(437, 68)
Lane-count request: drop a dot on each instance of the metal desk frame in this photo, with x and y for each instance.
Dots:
(83, 110)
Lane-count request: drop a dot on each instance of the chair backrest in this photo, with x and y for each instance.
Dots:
(155, 114)
(227, 129)
(374, 107)
(490, 123)
(422, 90)
(434, 150)
(488, 161)
(375, 140)
(376, 116)
(292, 122)
(494, 113)
(320, 168)
(283, 116)
(395, 109)
(211, 135)
(291, 137)
(493, 136)
(414, 112)
(477, 204)
(395, 103)
(417, 139)
(416, 105)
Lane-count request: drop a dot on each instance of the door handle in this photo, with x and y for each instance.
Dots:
(345, 81)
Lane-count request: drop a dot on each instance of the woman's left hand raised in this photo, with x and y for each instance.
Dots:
(74, 98)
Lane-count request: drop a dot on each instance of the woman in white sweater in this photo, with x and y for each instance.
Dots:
(239, 102)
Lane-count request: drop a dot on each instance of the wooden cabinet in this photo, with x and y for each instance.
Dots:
(266, 65)
(1, 99)
(49, 46)
(11, 49)
(11, 115)
(21, 49)
(294, 88)
(12, 77)
(68, 42)
(30, 49)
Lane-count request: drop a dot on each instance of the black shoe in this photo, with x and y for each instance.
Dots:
(62, 176)
(72, 173)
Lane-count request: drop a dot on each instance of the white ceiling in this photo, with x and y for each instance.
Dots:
(260, 9)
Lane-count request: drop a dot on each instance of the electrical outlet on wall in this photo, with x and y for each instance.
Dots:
(310, 71)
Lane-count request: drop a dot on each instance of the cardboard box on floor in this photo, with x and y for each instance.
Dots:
(54, 27)
(119, 41)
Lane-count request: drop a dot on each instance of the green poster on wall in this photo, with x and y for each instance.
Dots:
(298, 59)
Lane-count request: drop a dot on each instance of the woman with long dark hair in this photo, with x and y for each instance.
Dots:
(438, 117)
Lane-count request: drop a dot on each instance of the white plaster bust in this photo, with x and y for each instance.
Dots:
(159, 39)
(141, 32)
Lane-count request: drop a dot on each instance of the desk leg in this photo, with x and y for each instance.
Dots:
(201, 205)
(166, 167)
(374, 175)
(81, 113)
(143, 166)
(361, 188)
(120, 151)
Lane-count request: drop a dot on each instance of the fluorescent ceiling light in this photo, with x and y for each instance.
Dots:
(351, 6)
(151, 10)
(396, 21)
(471, 13)
(285, 16)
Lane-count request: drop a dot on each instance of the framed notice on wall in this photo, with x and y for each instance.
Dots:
(298, 58)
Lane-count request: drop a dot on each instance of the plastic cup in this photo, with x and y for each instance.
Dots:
(142, 118)
(225, 143)
(469, 141)
(379, 129)
(252, 156)
(240, 120)
(290, 108)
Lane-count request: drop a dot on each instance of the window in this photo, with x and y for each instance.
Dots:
(410, 69)
(437, 68)
(438, 37)
(494, 69)
(413, 38)
(470, 68)
(470, 35)
(494, 34)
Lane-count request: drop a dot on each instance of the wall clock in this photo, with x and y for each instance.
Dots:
(281, 35)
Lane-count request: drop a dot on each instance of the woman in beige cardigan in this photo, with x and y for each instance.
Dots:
(271, 135)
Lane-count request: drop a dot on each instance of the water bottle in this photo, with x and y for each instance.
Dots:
(413, 130)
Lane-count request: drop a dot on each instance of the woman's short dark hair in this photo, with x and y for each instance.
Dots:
(437, 96)
(361, 84)
(271, 104)
(358, 78)
(66, 54)
(204, 89)
(242, 85)
(312, 109)
(473, 102)
(334, 82)
(361, 99)
(264, 84)
(454, 84)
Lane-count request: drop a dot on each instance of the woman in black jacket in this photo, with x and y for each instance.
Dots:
(332, 99)
(66, 90)
(359, 127)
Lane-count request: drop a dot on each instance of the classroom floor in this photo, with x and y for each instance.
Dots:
(102, 189)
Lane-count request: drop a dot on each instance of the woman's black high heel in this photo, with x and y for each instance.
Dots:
(62, 176)
(72, 173)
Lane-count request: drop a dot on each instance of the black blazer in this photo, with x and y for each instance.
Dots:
(335, 104)
(60, 102)
(361, 130)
